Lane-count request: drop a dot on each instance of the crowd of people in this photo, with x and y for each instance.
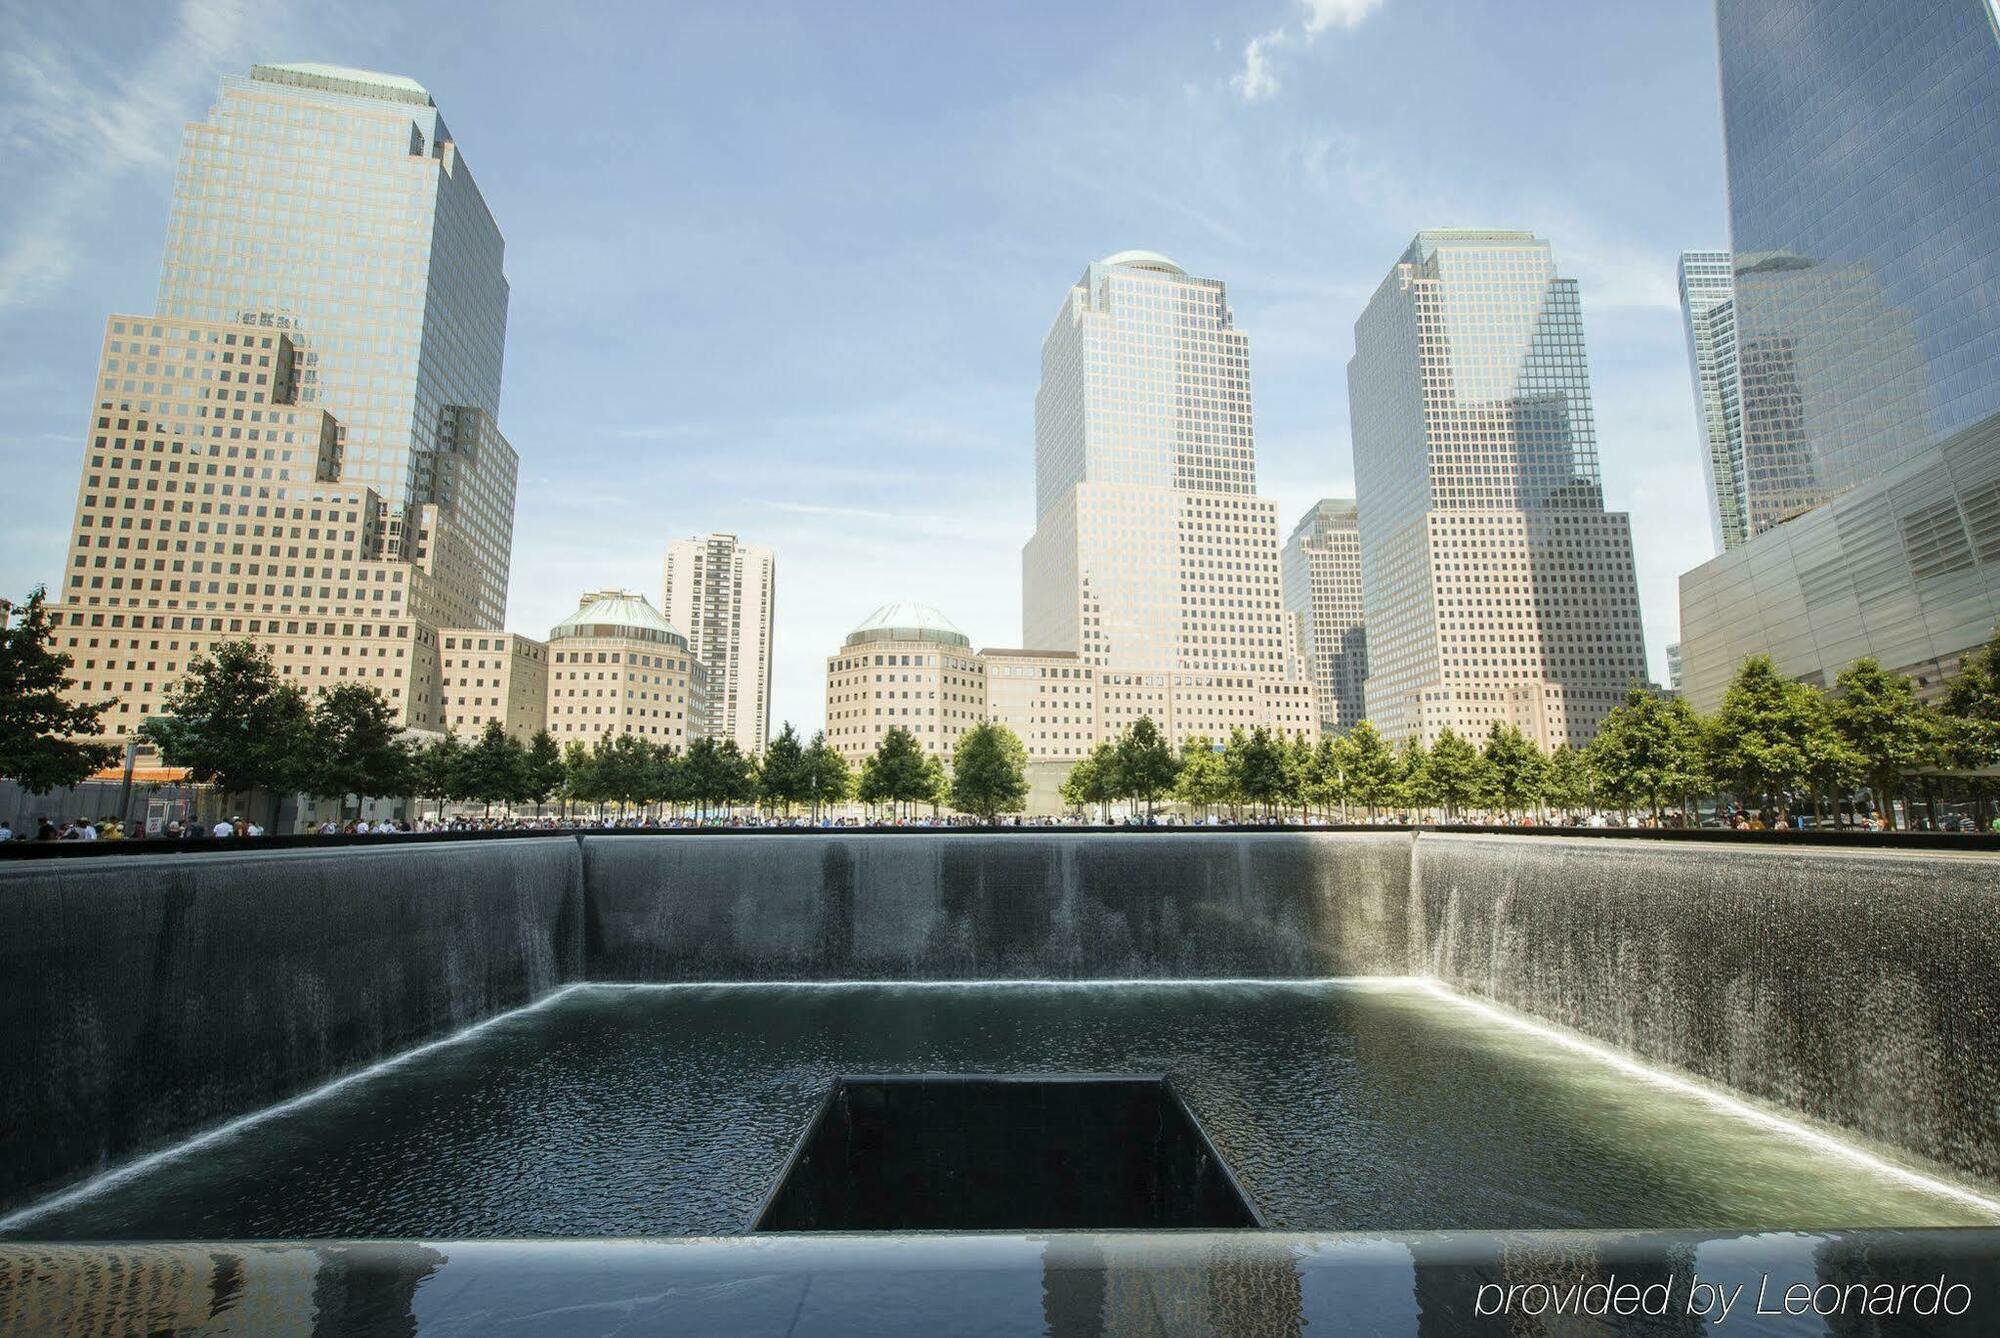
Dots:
(236, 827)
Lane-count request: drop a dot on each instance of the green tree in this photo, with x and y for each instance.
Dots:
(989, 772)
(829, 780)
(1413, 778)
(46, 741)
(937, 783)
(542, 770)
(435, 770)
(1570, 787)
(1372, 771)
(1518, 768)
(1971, 708)
(1453, 773)
(1757, 741)
(1299, 763)
(1204, 780)
(702, 780)
(1325, 781)
(603, 772)
(1649, 749)
(1257, 767)
(784, 777)
(1092, 782)
(234, 724)
(1145, 764)
(737, 775)
(579, 785)
(1878, 716)
(493, 771)
(354, 746)
(896, 773)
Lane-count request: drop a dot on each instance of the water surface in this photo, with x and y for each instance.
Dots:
(667, 1110)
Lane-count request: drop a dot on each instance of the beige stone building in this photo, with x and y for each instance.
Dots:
(616, 667)
(904, 665)
(486, 676)
(1153, 559)
(1495, 585)
(723, 592)
(1047, 697)
(209, 508)
(1322, 583)
(301, 447)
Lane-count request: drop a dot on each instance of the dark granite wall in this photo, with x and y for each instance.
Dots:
(968, 907)
(145, 998)
(1860, 989)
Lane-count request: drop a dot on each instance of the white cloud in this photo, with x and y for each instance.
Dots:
(1324, 14)
(1257, 81)
(98, 126)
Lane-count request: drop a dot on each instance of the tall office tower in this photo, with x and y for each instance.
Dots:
(210, 507)
(722, 592)
(1865, 223)
(1708, 313)
(1321, 574)
(1495, 586)
(333, 205)
(1152, 552)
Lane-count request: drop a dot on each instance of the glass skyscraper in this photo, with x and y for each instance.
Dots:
(333, 204)
(1495, 585)
(1708, 315)
(1863, 142)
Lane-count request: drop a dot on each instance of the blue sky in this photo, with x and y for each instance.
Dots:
(785, 269)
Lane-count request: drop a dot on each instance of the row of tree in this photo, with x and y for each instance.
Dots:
(1773, 744)
(236, 724)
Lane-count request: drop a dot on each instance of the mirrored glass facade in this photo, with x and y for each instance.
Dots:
(1708, 316)
(1863, 141)
(1495, 586)
(333, 204)
(1864, 183)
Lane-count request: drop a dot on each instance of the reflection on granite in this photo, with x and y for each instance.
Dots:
(1062, 1284)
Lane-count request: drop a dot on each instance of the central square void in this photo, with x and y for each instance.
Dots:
(975, 1152)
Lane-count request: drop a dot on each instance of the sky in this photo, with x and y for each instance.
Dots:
(784, 270)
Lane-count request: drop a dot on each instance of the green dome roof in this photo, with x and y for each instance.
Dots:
(908, 622)
(617, 613)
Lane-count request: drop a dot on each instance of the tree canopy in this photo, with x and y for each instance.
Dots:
(989, 772)
(46, 740)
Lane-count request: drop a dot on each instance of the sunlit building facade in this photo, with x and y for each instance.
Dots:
(1864, 200)
(1152, 553)
(1708, 317)
(1321, 575)
(1495, 585)
(617, 667)
(723, 592)
(210, 507)
(333, 205)
(299, 448)
(904, 666)
(487, 677)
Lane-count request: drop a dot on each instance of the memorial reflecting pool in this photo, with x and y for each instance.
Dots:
(668, 1110)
